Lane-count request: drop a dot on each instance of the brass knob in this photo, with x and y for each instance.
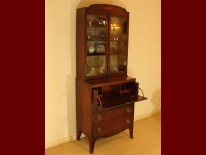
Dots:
(99, 130)
(99, 117)
(128, 110)
(127, 121)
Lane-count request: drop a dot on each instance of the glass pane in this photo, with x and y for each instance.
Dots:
(118, 44)
(96, 34)
(118, 63)
(96, 65)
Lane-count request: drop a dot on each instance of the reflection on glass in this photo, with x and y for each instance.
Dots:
(118, 63)
(96, 34)
(113, 63)
(118, 44)
(96, 65)
(118, 35)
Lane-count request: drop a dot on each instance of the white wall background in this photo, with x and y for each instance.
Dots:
(144, 61)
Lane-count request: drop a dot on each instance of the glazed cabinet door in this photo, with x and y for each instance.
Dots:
(96, 36)
(118, 40)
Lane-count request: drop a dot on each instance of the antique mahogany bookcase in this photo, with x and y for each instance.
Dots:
(105, 95)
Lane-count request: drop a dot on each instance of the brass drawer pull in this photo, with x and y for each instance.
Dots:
(128, 110)
(99, 117)
(99, 130)
(127, 121)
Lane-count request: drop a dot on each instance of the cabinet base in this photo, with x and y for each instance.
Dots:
(93, 140)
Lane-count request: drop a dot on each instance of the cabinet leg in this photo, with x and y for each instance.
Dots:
(79, 135)
(91, 144)
(131, 132)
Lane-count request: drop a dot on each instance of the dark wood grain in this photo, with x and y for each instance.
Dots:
(106, 8)
(116, 113)
(110, 81)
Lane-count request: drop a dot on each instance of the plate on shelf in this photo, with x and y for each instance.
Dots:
(100, 47)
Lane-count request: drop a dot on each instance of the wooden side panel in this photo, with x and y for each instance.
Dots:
(83, 107)
(80, 43)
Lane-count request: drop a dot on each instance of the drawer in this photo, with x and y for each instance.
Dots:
(112, 114)
(124, 91)
(109, 127)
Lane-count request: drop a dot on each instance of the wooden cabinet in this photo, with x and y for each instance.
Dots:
(105, 95)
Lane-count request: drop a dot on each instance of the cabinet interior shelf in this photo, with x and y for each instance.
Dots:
(97, 40)
(117, 40)
(112, 99)
(97, 26)
(95, 54)
(118, 54)
(95, 35)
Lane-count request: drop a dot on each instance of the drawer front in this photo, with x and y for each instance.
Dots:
(112, 126)
(124, 91)
(112, 114)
